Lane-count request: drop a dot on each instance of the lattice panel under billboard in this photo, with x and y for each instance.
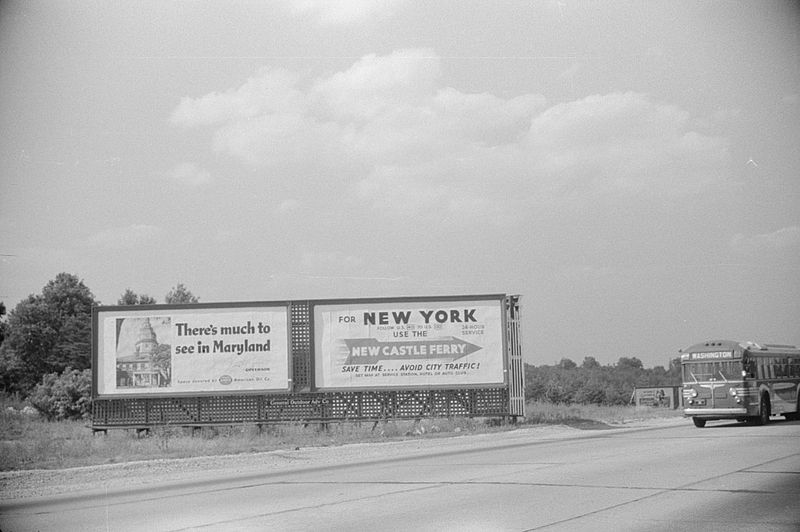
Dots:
(176, 411)
(238, 409)
(119, 412)
(218, 410)
(487, 403)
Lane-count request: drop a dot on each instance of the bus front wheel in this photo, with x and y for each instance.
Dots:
(698, 422)
(763, 411)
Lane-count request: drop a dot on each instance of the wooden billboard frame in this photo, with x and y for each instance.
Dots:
(303, 402)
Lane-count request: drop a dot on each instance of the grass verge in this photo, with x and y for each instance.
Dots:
(28, 442)
(586, 416)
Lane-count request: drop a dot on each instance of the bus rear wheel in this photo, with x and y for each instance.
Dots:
(699, 422)
(794, 416)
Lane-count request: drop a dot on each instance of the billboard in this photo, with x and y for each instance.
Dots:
(160, 350)
(409, 343)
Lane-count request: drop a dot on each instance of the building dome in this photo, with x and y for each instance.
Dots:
(146, 341)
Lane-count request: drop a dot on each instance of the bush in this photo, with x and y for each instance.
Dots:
(65, 396)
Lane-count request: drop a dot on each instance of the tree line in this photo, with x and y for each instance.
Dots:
(50, 333)
(45, 355)
(567, 382)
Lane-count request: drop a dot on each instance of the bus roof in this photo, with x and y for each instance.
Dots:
(752, 347)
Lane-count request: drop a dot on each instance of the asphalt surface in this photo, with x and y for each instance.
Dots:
(670, 476)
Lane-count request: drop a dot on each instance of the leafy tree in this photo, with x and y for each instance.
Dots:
(64, 396)
(2, 322)
(10, 370)
(632, 363)
(567, 364)
(180, 295)
(48, 333)
(132, 298)
(592, 392)
(674, 371)
(590, 363)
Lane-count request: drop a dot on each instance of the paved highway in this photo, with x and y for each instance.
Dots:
(727, 477)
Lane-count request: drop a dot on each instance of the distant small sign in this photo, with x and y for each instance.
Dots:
(658, 397)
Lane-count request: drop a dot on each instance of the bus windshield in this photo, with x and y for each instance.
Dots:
(717, 370)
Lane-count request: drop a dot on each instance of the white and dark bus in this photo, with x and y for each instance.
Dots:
(742, 381)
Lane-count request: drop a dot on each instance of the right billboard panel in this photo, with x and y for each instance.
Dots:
(413, 343)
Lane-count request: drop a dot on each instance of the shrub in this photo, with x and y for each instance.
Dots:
(64, 396)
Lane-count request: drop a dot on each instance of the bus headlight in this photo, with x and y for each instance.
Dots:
(694, 393)
(732, 391)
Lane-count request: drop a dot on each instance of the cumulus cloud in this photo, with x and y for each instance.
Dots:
(338, 12)
(375, 86)
(379, 110)
(395, 136)
(604, 119)
(255, 122)
(125, 238)
(269, 91)
(624, 142)
(774, 242)
(188, 174)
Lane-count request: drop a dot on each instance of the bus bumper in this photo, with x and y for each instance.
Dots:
(717, 413)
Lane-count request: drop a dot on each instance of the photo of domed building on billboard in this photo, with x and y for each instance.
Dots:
(143, 362)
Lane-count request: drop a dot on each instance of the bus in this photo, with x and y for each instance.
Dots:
(748, 382)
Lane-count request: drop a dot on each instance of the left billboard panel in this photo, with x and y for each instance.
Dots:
(191, 350)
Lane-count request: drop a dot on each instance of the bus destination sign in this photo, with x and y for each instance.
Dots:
(714, 355)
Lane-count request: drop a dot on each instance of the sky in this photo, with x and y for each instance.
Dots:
(630, 169)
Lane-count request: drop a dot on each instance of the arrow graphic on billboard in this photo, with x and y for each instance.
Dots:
(370, 350)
